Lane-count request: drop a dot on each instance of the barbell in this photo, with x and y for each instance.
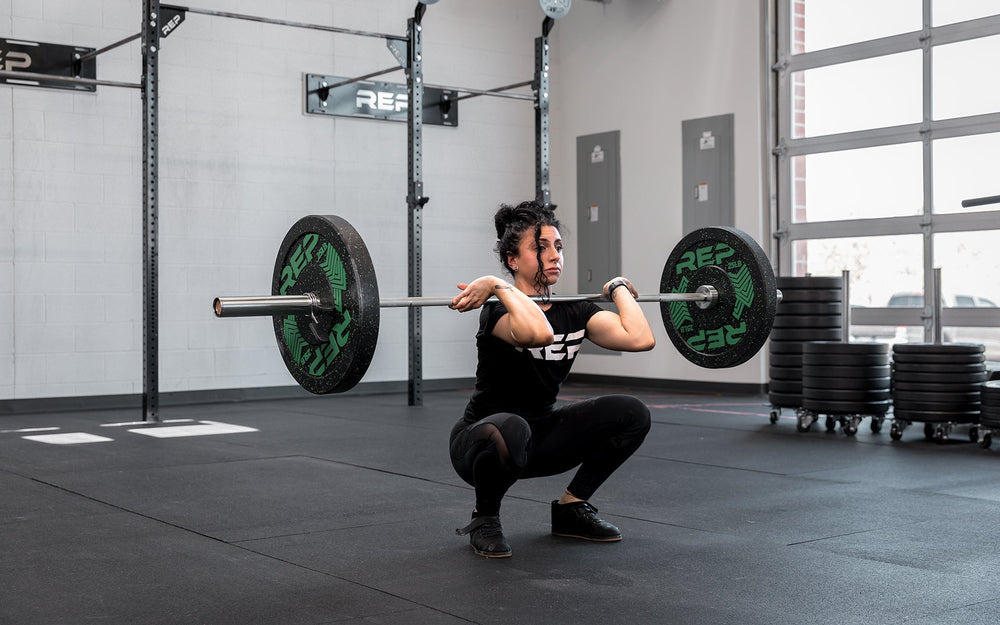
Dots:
(717, 299)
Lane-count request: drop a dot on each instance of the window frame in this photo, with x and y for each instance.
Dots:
(780, 64)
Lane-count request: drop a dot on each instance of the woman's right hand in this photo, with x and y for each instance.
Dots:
(475, 293)
(524, 324)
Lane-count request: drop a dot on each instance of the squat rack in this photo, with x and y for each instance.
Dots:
(160, 20)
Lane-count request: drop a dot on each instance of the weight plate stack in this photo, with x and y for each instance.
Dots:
(990, 408)
(811, 309)
(938, 383)
(847, 379)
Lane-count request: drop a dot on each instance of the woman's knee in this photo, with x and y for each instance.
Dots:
(509, 434)
(516, 435)
(641, 415)
(631, 408)
(632, 413)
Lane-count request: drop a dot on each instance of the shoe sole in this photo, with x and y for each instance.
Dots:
(593, 539)
(492, 555)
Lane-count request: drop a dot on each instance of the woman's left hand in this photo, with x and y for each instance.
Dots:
(627, 283)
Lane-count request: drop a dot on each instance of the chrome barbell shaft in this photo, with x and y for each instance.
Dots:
(410, 302)
(269, 305)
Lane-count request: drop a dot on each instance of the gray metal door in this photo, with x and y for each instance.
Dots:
(598, 193)
(707, 191)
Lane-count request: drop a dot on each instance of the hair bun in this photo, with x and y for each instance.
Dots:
(524, 214)
(502, 219)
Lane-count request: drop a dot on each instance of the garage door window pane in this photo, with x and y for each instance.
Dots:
(879, 266)
(961, 87)
(831, 23)
(965, 168)
(951, 11)
(858, 184)
(884, 91)
(968, 262)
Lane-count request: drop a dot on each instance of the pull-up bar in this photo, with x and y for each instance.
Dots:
(491, 91)
(327, 88)
(498, 92)
(71, 80)
(90, 55)
(293, 24)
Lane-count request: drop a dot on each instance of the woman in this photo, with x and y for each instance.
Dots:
(511, 428)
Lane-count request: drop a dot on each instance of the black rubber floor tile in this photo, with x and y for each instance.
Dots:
(658, 573)
(960, 540)
(343, 510)
(978, 613)
(24, 501)
(127, 569)
(234, 501)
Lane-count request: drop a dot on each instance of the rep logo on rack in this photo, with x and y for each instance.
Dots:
(381, 101)
(44, 60)
(13, 60)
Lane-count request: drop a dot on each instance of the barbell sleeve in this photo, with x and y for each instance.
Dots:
(265, 305)
(271, 305)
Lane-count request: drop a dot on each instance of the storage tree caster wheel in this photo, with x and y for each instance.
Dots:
(986, 441)
(973, 434)
(851, 425)
(774, 416)
(895, 432)
(928, 431)
(805, 420)
(877, 424)
(831, 423)
(941, 434)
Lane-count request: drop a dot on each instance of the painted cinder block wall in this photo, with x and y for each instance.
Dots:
(240, 163)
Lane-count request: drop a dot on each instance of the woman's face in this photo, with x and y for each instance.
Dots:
(549, 250)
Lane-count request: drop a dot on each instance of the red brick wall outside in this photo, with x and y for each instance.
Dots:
(798, 164)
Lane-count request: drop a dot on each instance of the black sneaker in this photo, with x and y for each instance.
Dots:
(579, 520)
(486, 537)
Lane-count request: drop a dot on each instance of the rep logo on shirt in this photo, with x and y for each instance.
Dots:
(563, 347)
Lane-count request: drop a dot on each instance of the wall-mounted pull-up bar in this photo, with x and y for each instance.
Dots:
(80, 58)
(69, 80)
(324, 89)
(473, 94)
(293, 24)
(497, 93)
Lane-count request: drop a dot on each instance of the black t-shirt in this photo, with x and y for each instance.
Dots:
(521, 380)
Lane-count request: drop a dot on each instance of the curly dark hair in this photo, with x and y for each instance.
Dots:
(513, 221)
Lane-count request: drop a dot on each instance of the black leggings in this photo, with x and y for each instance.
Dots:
(598, 435)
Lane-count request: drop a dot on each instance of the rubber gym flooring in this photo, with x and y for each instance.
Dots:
(343, 509)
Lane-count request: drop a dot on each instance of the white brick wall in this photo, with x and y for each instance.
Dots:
(6, 235)
(239, 164)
